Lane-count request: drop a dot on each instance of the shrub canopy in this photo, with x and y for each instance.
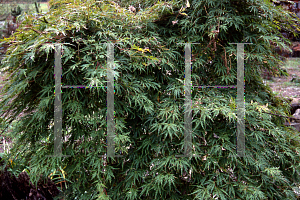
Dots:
(149, 99)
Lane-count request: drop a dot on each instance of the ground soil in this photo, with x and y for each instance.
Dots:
(17, 188)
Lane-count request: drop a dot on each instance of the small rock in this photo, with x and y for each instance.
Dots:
(294, 107)
(297, 114)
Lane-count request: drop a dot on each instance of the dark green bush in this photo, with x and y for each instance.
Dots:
(149, 102)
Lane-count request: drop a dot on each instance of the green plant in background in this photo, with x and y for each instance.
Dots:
(15, 7)
(149, 102)
(7, 9)
(16, 11)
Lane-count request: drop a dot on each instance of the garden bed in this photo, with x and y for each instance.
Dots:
(20, 187)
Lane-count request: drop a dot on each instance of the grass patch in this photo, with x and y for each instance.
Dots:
(291, 84)
(291, 63)
(28, 6)
(42, 8)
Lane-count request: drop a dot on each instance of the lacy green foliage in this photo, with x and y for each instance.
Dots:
(149, 102)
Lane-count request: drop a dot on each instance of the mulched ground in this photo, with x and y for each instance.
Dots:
(18, 188)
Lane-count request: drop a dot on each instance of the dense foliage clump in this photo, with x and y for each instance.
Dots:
(149, 99)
